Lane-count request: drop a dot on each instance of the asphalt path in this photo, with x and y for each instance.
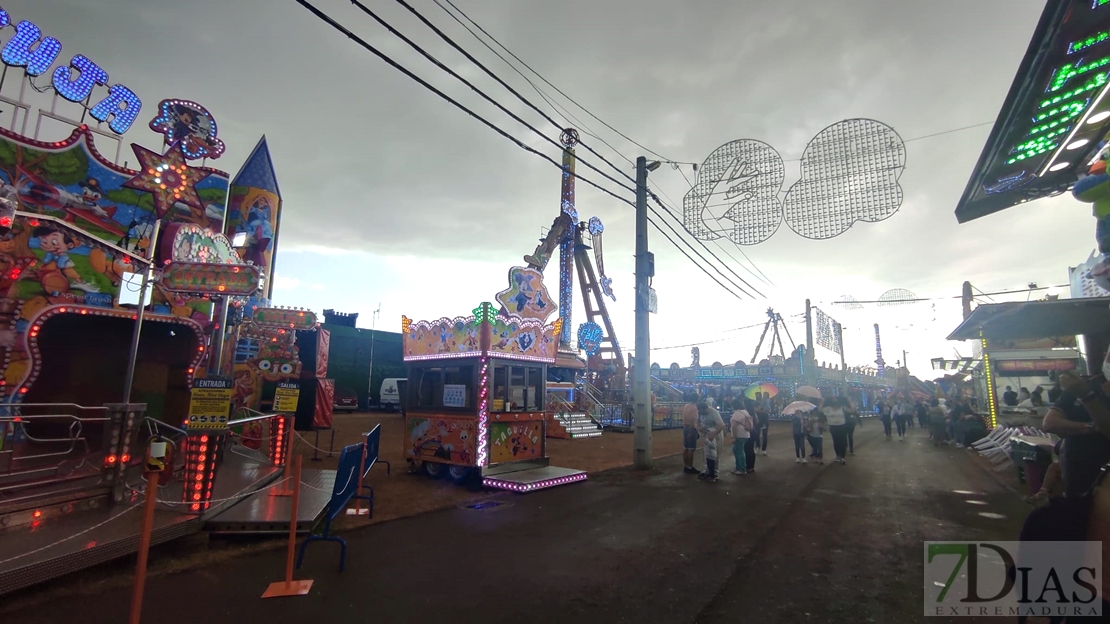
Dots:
(790, 543)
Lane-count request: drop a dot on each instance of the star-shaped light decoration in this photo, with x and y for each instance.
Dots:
(168, 178)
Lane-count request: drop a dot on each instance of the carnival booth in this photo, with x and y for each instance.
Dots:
(134, 287)
(475, 405)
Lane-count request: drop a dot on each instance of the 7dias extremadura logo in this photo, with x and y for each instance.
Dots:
(1043, 579)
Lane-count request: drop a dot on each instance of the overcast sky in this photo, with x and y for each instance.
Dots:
(394, 196)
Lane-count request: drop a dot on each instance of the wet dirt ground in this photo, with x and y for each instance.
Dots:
(790, 543)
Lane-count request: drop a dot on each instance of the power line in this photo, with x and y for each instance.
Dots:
(572, 100)
(483, 94)
(559, 110)
(527, 102)
(350, 35)
(919, 299)
(745, 282)
(550, 102)
(698, 344)
(353, 37)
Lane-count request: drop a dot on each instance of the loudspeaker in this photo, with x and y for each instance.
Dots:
(312, 351)
(315, 405)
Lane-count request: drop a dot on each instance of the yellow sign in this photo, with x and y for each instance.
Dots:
(286, 396)
(209, 404)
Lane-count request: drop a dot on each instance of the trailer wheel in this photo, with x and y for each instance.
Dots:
(460, 474)
(434, 470)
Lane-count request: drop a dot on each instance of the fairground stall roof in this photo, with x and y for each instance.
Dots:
(1036, 319)
(1054, 116)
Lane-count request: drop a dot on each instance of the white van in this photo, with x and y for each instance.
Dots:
(389, 397)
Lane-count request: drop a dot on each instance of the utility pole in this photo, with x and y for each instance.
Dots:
(811, 359)
(645, 269)
(373, 335)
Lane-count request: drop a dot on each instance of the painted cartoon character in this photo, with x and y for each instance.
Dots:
(276, 360)
(1094, 189)
(58, 273)
(90, 192)
(260, 233)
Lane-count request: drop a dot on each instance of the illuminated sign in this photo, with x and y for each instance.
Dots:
(1055, 114)
(1034, 365)
(215, 279)
(285, 317)
(75, 81)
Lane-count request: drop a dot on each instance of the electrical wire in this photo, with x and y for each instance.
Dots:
(353, 37)
(520, 97)
(551, 103)
(919, 299)
(350, 35)
(559, 110)
(669, 226)
(362, 7)
(559, 91)
(698, 344)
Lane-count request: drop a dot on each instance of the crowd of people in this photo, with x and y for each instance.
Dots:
(748, 424)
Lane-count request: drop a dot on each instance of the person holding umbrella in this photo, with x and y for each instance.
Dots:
(798, 411)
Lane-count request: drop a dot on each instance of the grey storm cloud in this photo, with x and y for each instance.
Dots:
(369, 161)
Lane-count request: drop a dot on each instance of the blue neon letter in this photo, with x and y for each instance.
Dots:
(121, 105)
(89, 74)
(18, 52)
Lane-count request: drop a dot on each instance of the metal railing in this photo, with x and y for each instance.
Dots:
(25, 454)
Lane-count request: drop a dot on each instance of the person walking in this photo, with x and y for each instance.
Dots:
(922, 412)
(689, 433)
(853, 421)
(798, 420)
(763, 424)
(900, 413)
(938, 424)
(741, 424)
(837, 418)
(749, 445)
(815, 435)
(713, 429)
(884, 409)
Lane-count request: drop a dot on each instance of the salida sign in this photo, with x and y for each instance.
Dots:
(1031, 579)
(27, 48)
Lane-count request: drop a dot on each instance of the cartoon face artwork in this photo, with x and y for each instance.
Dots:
(277, 355)
(527, 296)
(190, 125)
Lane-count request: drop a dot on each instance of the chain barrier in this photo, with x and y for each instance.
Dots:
(66, 539)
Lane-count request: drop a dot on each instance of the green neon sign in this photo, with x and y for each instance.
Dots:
(1089, 42)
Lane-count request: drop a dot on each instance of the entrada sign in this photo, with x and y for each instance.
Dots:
(75, 81)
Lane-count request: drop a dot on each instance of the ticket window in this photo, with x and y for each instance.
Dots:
(518, 388)
(442, 387)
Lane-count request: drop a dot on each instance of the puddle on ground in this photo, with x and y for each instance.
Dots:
(967, 493)
(976, 502)
(992, 516)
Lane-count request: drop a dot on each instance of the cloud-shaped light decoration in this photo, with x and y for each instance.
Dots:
(850, 173)
(736, 195)
(896, 297)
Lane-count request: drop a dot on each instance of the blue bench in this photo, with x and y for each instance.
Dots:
(373, 444)
(348, 485)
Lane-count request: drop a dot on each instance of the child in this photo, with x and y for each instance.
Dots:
(815, 433)
(799, 422)
(712, 427)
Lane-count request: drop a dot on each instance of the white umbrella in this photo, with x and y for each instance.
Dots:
(798, 406)
(808, 391)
